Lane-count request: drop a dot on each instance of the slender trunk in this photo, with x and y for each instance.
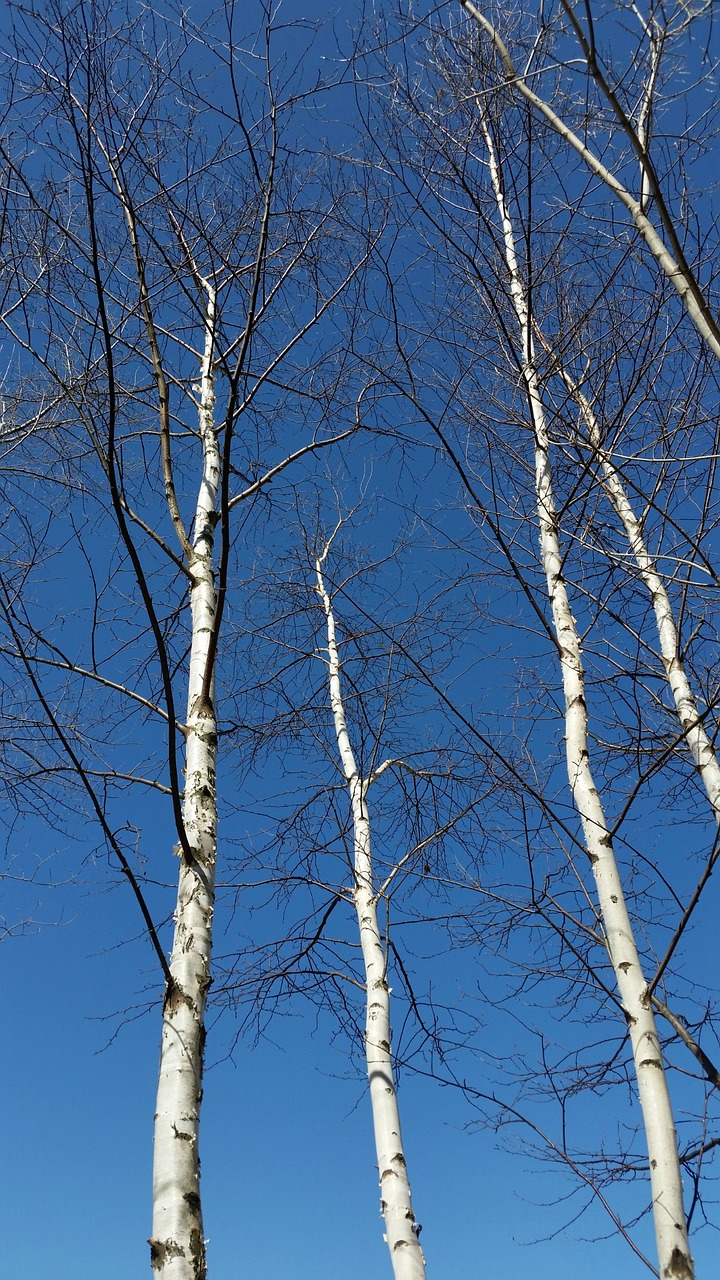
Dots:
(676, 268)
(665, 1178)
(401, 1230)
(178, 1243)
(701, 748)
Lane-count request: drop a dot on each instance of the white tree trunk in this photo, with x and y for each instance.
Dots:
(678, 273)
(178, 1244)
(401, 1230)
(665, 1178)
(701, 748)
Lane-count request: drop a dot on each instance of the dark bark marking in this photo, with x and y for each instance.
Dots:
(197, 1252)
(679, 1265)
(174, 997)
(184, 1137)
(161, 1250)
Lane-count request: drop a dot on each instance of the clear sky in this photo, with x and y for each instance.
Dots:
(288, 1165)
(289, 1173)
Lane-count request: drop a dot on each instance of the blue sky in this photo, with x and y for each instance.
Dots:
(289, 1178)
(288, 1167)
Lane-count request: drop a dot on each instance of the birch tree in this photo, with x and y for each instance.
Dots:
(493, 389)
(685, 701)
(202, 312)
(403, 1244)
(171, 288)
(657, 29)
(665, 1176)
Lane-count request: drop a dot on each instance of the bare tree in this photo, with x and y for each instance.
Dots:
(406, 1255)
(352, 715)
(201, 302)
(658, 31)
(663, 1157)
(464, 150)
(171, 283)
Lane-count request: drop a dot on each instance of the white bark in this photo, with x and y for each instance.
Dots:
(401, 1230)
(699, 744)
(679, 276)
(665, 1178)
(178, 1244)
